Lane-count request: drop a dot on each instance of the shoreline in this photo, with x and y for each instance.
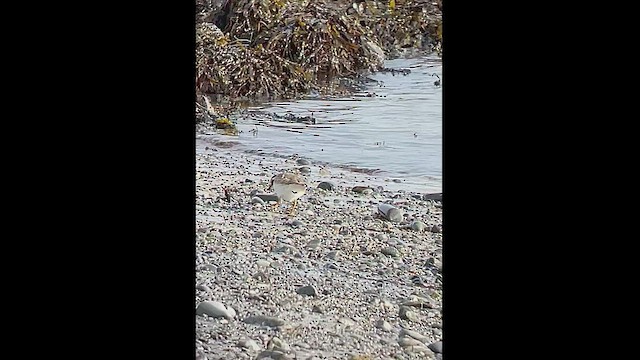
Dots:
(343, 174)
(336, 280)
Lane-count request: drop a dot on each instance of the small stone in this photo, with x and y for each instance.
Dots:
(407, 314)
(249, 344)
(327, 185)
(297, 223)
(436, 347)
(278, 344)
(347, 322)
(287, 249)
(384, 325)
(390, 212)
(274, 355)
(436, 197)
(215, 309)
(318, 309)
(436, 229)
(261, 276)
(361, 189)
(418, 225)
(382, 237)
(207, 267)
(267, 197)
(420, 301)
(257, 234)
(257, 200)
(303, 162)
(419, 349)
(203, 287)
(391, 251)
(397, 180)
(333, 255)
(264, 320)
(414, 334)
(307, 290)
(304, 169)
(313, 244)
(263, 263)
(408, 341)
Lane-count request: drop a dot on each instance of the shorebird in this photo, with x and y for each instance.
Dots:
(289, 187)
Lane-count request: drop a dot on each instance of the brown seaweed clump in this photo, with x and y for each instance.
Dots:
(279, 49)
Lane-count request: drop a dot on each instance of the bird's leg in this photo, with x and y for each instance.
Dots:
(293, 207)
(275, 205)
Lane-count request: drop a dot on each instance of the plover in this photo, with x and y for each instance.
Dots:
(289, 187)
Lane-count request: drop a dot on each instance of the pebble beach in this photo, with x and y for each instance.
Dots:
(354, 273)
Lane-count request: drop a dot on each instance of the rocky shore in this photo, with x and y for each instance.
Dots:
(337, 280)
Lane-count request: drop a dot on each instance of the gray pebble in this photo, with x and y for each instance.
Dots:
(414, 334)
(390, 212)
(304, 169)
(333, 255)
(307, 290)
(420, 301)
(303, 162)
(327, 185)
(384, 325)
(257, 234)
(419, 349)
(207, 267)
(313, 244)
(382, 237)
(391, 251)
(273, 354)
(264, 320)
(263, 263)
(397, 180)
(215, 309)
(436, 229)
(278, 344)
(287, 249)
(257, 200)
(249, 344)
(407, 314)
(203, 287)
(361, 189)
(297, 223)
(318, 309)
(418, 225)
(267, 197)
(408, 341)
(436, 196)
(436, 347)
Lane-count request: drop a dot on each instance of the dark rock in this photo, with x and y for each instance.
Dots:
(434, 196)
(327, 185)
(307, 290)
(436, 347)
(267, 197)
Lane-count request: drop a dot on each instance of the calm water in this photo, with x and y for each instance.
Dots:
(396, 134)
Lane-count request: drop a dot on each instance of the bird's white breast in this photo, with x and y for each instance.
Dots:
(288, 192)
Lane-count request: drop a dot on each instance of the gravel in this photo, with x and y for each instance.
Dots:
(337, 279)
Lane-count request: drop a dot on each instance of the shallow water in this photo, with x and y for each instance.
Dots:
(395, 134)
